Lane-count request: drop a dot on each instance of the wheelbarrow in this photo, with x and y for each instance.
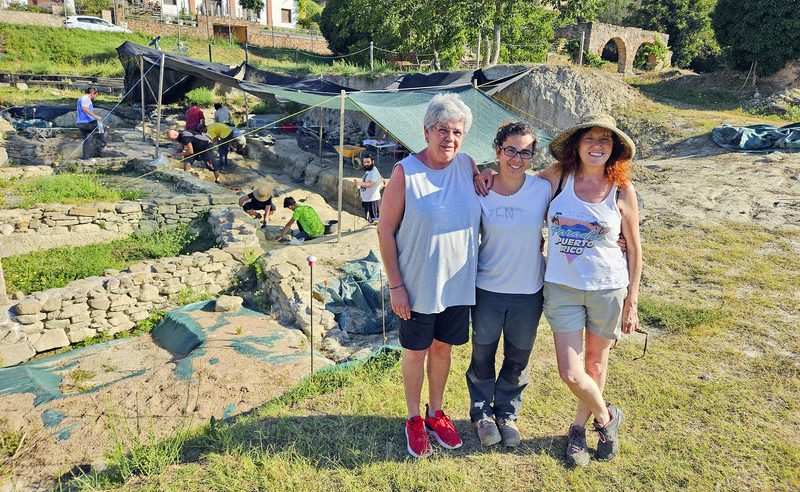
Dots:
(351, 152)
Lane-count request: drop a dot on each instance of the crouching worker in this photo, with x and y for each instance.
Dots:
(307, 221)
(193, 147)
(258, 202)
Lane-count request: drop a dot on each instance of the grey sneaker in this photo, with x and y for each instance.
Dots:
(577, 453)
(509, 432)
(608, 445)
(487, 431)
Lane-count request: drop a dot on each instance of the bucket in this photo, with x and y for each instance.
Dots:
(332, 227)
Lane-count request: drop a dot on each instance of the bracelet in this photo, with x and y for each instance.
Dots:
(396, 287)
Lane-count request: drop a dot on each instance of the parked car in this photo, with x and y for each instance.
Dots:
(92, 24)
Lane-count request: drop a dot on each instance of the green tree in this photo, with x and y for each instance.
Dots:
(254, 6)
(765, 31)
(576, 11)
(617, 12)
(688, 23)
(309, 14)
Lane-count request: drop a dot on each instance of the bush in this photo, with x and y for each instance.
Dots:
(592, 59)
(202, 96)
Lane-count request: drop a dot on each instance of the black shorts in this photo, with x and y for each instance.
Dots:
(252, 206)
(451, 326)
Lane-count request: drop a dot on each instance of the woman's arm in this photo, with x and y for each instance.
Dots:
(392, 208)
(629, 208)
(552, 174)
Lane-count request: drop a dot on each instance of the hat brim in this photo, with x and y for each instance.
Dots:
(556, 146)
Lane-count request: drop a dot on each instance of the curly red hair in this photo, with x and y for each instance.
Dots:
(618, 166)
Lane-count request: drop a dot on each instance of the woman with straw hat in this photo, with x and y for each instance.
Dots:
(258, 204)
(591, 289)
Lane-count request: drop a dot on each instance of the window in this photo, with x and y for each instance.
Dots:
(286, 16)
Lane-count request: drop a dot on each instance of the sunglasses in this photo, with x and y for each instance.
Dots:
(646, 337)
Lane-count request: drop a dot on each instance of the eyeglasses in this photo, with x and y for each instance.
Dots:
(646, 336)
(524, 154)
(445, 132)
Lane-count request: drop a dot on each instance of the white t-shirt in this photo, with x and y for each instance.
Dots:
(510, 260)
(372, 193)
(222, 115)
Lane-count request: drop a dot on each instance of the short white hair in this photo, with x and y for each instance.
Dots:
(447, 107)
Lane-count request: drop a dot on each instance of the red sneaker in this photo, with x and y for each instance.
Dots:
(416, 439)
(440, 427)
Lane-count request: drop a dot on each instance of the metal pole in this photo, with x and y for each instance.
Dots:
(160, 93)
(208, 28)
(246, 60)
(341, 165)
(311, 260)
(383, 310)
(319, 154)
(371, 57)
(141, 87)
(580, 52)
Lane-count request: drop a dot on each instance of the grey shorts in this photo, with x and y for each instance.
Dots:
(599, 311)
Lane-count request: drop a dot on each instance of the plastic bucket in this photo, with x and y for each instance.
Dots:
(332, 227)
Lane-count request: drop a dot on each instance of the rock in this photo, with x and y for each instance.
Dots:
(227, 303)
(29, 319)
(6, 229)
(3, 157)
(87, 228)
(22, 86)
(14, 353)
(149, 293)
(72, 310)
(100, 303)
(50, 304)
(128, 208)
(28, 305)
(51, 339)
(83, 211)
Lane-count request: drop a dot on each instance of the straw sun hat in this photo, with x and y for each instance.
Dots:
(601, 120)
(262, 193)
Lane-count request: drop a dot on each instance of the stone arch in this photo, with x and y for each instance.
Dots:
(645, 62)
(616, 50)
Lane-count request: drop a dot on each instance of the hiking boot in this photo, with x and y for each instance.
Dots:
(440, 427)
(608, 445)
(416, 438)
(577, 453)
(509, 432)
(487, 431)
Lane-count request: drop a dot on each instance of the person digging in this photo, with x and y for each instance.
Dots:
(258, 204)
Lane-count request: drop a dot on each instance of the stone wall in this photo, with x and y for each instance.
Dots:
(109, 304)
(30, 18)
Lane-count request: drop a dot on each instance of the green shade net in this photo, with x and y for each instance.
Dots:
(401, 114)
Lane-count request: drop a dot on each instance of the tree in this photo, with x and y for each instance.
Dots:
(688, 23)
(308, 14)
(763, 31)
(254, 6)
(576, 11)
(617, 12)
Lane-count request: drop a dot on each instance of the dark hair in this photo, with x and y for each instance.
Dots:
(288, 202)
(618, 168)
(217, 105)
(367, 155)
(91, 89)
(510, 128)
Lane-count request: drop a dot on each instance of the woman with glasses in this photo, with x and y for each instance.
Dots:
(428, 236)
(508, 294)
(591, 290)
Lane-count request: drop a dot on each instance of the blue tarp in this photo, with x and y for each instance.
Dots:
(758, 138)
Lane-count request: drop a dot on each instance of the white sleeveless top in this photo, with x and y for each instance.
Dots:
(437, 241)
(582, 250)
(509, 258)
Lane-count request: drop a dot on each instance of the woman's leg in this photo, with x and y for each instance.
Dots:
(487, 325)
(597, 350)
(569, 348)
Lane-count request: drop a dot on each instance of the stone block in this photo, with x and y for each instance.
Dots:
(118, 319)
(28, 305)
(227, 303)
(29, 319)
(55, 324)
(139, 316)
(33, 329)
(79, 334)
(6, 229)
(211, 267)
(149, 293)
(83, 211)
(81, 318)
(72, 310)
(139, 267)
(51, 339)
(13, 353)
(100, 303)
(50, 304)
(128, 207)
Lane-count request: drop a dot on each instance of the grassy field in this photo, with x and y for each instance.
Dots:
(60, 188)
(713, 405)
(54, 50)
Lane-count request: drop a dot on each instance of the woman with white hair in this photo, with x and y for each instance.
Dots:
(428, 236)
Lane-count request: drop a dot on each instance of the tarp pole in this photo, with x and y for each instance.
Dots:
(160, 92)
(141, 88)
(208, 29)
(246, 61)
(341, 165)
(321, 114)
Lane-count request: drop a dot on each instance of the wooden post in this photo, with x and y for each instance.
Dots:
(319, 154)
(141, 89)
(371, 57)
(580, 51)
(478, 54)
(208, 28)
(160, 93)
(341, 165)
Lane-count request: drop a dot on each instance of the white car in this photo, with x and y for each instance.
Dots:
(92, 24)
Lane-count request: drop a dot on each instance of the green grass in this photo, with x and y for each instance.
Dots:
(57, 267)
(701, 414)
(61, 188)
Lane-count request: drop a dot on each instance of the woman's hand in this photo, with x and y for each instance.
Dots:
(400, 305)
(630, 316)
(622, 243)
(483, 181)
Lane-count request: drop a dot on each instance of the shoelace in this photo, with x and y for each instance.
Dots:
(578, 442)
(602, 434)
(444, 421)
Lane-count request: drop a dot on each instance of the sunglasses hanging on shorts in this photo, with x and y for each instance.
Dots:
(646, 336)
